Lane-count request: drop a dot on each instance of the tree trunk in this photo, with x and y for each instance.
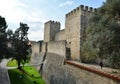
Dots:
(19, 67)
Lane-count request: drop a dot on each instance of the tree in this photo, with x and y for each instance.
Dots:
(3, 38)
(103, 33)
(20, 44)
(9, 34)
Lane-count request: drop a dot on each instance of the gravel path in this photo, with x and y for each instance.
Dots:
(4, 78)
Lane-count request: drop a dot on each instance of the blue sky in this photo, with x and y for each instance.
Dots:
(36, 12)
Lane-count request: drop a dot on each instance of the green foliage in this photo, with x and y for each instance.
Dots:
(103, 34)
(19, 41)
(9, 35)
(20, 44)
(3, 38)
(88, 53)
(112, 8)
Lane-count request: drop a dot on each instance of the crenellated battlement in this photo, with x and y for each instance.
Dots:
(81, 8)
(52, 22)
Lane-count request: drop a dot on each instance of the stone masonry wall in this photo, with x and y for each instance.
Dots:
(56, 72)
(35, 52)
(51, 28)
(74, 27)
(60, 36)
(37, 56)
(57, 47)
(43, 47)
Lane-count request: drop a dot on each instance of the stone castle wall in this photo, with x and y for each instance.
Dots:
(35, 47)
(35, 53)
(72, 29)
(51, 28)
(56, 72)
(75, 25)
(43, 47)
(60, 36)
(57, 47)
(53, 51)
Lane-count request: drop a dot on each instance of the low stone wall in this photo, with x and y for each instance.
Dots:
(56, 72)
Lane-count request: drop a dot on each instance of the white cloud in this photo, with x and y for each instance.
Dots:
(35, 35)
(10, 10)
(66, 3)
(15, 12)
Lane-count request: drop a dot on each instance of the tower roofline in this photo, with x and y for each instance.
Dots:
(52, 22)
(80, 8)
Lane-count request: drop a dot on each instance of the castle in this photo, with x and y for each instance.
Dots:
(51, 57)
(74, 32)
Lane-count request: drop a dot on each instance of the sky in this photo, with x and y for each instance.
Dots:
(36, 12)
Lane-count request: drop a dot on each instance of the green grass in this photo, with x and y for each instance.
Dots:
(12, 63)
(15, 75)
(30, 75)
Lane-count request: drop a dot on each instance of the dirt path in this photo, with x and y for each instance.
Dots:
(4, 78)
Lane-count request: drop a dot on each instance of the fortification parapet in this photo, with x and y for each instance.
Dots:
(95, 10)
(90, 9)
(52, 22)
(80, 9)
(86, 7)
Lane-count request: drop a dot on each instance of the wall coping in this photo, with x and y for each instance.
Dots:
(111, 76)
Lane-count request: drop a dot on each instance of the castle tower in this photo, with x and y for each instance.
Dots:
(51, 28)
(75, 25)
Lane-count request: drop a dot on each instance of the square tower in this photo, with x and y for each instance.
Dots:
(51, 28)
(75, 25)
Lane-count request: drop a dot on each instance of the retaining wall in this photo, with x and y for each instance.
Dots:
(56, 72)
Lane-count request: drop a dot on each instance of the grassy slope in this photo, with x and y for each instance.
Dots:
(31, 75)
(12, 63)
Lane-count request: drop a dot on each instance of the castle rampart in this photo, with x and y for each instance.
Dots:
(80, 9)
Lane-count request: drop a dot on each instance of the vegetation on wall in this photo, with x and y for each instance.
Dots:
(103, 34)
